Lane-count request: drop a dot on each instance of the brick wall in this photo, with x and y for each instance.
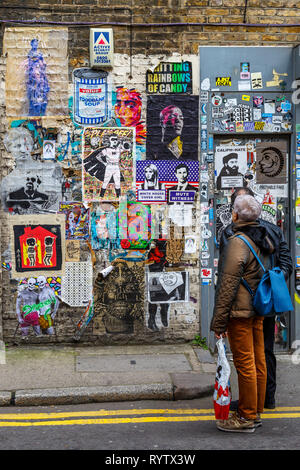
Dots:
(143, 47)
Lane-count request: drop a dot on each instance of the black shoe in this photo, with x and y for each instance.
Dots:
(234, 405)
(270, 406)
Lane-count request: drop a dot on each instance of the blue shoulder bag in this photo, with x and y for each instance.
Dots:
(272, 295)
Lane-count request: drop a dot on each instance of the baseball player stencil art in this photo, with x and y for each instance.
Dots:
(110, 164)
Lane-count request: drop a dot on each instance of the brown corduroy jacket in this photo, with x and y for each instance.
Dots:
(232, 298)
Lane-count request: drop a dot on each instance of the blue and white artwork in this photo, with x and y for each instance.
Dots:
(37, 84)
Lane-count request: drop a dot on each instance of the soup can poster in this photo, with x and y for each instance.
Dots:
(92, 97)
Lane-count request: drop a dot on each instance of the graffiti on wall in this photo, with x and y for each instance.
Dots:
(37, 71)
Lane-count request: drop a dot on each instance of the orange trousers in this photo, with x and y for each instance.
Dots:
(246, 339)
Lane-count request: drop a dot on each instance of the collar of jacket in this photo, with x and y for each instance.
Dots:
(241, 223)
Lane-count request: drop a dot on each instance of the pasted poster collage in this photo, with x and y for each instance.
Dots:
(102, 199)
(244, 144)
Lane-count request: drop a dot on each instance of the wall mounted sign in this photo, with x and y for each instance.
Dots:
(101, 47)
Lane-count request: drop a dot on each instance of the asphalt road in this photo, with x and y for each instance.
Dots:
(147, 425)
(159, 427)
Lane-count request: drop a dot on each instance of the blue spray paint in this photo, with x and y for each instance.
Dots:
(37, 83)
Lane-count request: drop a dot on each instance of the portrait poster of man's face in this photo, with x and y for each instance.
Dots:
(172, 127)
(230, 166)
(271, 162)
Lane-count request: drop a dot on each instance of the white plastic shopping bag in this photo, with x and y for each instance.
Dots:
(222, 392)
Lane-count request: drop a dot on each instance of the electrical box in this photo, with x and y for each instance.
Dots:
(101, 47)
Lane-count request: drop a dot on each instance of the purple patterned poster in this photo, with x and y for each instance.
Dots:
(166, 181)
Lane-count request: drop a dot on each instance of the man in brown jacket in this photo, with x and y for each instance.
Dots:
(234, 314)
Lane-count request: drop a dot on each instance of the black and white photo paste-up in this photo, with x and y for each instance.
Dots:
(271, 162)
(33, 186)
(167, 287)
(172, 127)
(230, 166)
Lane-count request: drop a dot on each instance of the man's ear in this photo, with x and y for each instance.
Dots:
(234, 216)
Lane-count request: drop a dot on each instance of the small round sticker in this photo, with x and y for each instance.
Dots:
(216, 100)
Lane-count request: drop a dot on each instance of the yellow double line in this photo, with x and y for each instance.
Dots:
(123, 417)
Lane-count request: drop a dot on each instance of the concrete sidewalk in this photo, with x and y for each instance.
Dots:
(56, 375)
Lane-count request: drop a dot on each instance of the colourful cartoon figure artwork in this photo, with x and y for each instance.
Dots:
(128, 227)
(77, 220)
(104, 228)
(37, 244)
(36, 306)
(108, 163)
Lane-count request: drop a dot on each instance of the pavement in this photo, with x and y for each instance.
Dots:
(59, 375)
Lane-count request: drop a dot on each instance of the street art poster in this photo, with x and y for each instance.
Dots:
(92, 96)
(230, 166)
(269, 208)
(170, 77)
(128, 112)
(37, 71)
(77, 283)
(32, 186)
(172, 127)
(134, 226)
(49, 150)
(223, 218)
(168, 287)
(271, 162)
(108, 163)
(191, 244)
(77, 220)
(36, 306)
(37, 244)
(172, 181)
(119, 299)
(72, 250)
(104, 232)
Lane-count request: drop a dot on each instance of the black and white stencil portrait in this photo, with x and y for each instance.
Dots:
(32, 186)
(172, 127)
(271, 162)
(230, 166)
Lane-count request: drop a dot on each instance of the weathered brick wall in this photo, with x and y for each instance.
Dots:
(138, 48)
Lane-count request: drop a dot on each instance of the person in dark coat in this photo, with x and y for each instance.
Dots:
(282, 258)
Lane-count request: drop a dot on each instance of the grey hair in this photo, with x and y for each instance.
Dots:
(247, 208)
